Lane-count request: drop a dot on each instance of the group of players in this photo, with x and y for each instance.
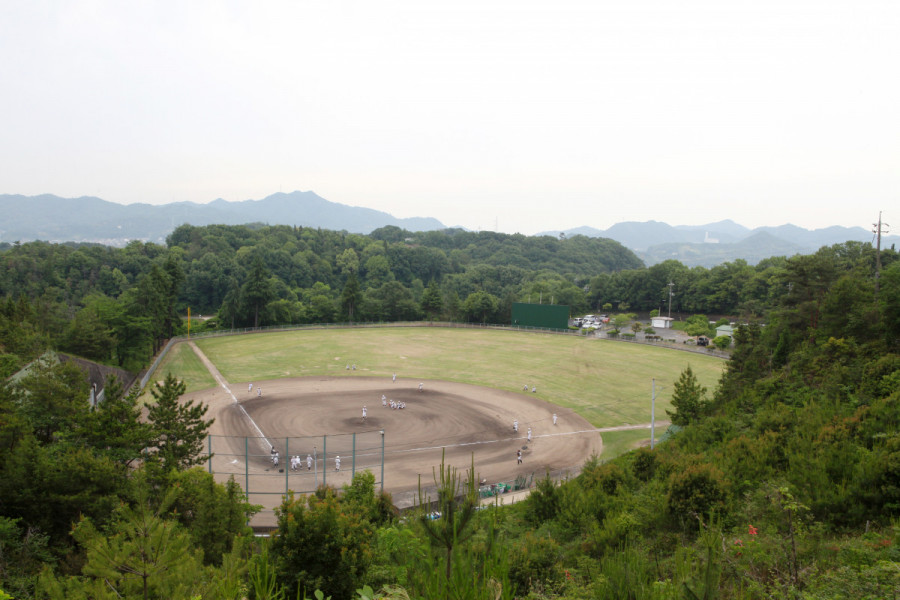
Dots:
(528, 436)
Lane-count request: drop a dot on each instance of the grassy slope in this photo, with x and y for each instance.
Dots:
(608, 383)
(184, 362)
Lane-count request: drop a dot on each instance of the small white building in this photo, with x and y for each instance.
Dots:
(661, 322)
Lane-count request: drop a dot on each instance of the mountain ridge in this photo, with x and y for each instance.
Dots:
(91, 219)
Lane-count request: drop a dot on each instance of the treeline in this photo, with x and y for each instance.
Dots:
(117, 305)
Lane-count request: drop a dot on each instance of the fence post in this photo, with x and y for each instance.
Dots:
(209, 452)
(324, 459)
(382, 460)
(247, 468)
(353, 467)
(287, 457)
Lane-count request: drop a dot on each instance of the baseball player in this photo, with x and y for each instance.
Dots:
(554, 418)
(516, 425)
(309, 462)
(529, 434)
(519, 456)
(337, 463)
(364, 413)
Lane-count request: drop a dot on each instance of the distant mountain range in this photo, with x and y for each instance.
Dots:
(725, 241)
(90, 219)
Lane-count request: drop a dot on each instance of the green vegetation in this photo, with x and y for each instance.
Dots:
(781, 481)
(190, 369)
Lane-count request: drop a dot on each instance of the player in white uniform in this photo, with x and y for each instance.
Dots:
(394, 379)
(249, 387)
(529, 434)
(554, 418)
(383, 400)
(337, 463)
(364, 413)
(516, 425)
(420, 386)
(309, 462)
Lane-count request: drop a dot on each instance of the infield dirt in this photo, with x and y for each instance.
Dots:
(465, 421)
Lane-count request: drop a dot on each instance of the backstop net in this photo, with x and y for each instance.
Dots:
(303, 464)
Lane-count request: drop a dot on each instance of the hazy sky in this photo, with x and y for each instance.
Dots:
(520, 115)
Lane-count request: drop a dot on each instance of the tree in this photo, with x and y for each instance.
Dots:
(142, 554)
(51, 397)
(722, 342)
(481, 306)
(178, 427)
(432, 303)
(688, 399)
(348, 261)
(456, 502)
(350, 296)
(215, 515)
(621, 320)
(697, 325)
(257, 292)
(322, 544)
(114, 426)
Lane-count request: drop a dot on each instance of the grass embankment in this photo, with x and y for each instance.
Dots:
(187, 366)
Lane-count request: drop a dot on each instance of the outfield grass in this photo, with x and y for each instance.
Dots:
(606, 382)
(183, 362)
(620, 442)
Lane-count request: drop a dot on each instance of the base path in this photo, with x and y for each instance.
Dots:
(463, 421)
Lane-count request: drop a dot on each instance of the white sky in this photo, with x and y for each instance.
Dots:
(519, 115)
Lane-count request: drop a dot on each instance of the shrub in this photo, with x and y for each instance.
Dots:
(696, 492)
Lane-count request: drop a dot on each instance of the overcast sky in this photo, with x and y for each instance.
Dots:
(517, 116)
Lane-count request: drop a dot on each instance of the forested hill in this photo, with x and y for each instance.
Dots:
(118, 305)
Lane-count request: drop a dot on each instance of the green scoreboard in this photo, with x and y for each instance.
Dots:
(545, 316)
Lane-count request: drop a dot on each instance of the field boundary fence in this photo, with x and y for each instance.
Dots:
(331, 459)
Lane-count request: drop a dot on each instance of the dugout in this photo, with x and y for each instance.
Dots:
(544, 316)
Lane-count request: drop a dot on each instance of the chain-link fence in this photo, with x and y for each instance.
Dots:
(269, 467)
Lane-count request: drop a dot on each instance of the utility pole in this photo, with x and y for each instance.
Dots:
(653, 414)
(670, 286)
(879, 228)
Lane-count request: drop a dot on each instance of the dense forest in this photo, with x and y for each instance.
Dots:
(782, 482)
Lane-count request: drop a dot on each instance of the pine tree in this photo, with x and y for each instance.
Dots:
(179, 428)
(688, 400)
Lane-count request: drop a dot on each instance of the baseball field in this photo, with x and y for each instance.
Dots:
(474, 384)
